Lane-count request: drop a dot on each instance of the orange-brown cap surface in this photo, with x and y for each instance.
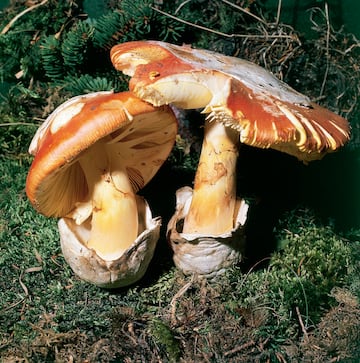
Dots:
(266, 111)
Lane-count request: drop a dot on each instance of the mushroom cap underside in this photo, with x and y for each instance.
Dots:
(266, 111)
(138, 133)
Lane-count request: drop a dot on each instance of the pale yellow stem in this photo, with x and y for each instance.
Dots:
(212, 208)
(114, 220)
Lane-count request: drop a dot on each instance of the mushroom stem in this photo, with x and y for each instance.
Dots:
(213, 204)
(114, 222)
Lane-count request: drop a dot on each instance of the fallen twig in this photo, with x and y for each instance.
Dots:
(13, 305)
(176, 297)
(10, 24)
(303, 329)
(239, 348)
(327, 49)
(244, 11)
(267, 36)
(17, 124)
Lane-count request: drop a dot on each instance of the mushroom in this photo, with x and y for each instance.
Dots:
(92, 155)
(246, 104)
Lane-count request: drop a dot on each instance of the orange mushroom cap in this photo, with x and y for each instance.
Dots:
(143, 134)
(266, 111)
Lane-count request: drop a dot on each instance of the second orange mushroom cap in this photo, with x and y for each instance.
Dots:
(265, 111)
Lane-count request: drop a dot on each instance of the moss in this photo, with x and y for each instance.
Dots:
(164, 335)
(48, 314)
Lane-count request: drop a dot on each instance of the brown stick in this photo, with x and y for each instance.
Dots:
(239, 348)
(267, 36)
(303, 329)
(10, 24)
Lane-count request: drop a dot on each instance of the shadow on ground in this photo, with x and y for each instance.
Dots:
(274, 183)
